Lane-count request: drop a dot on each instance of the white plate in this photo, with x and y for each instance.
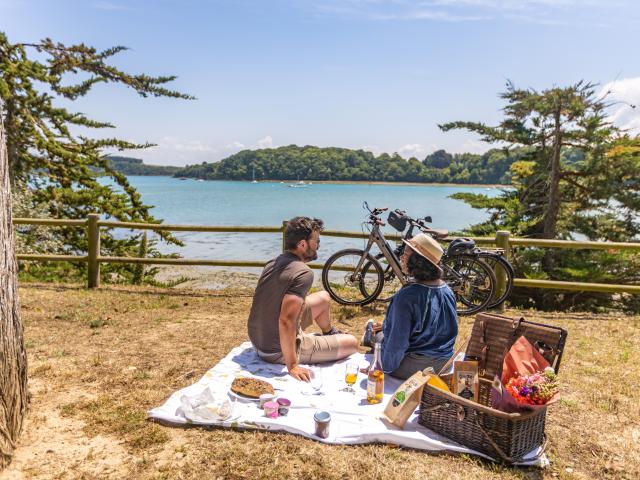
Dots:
(232, 418)
(242, 398)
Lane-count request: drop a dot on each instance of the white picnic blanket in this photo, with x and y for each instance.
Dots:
(353, 420)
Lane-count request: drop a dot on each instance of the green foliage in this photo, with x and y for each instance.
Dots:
(577, 179)
(438, 159)
(32, 238)
(135, 166)
(61, 169)
(314, 163)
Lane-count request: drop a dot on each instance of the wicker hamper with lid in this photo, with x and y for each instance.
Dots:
(503, 436)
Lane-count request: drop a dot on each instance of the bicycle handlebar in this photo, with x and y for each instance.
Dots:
(375, 211)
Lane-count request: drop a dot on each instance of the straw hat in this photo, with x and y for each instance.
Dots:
(426, 247)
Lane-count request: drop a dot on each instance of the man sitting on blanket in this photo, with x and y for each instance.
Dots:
(281, 308)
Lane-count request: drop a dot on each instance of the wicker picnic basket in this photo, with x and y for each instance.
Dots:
(503, 436)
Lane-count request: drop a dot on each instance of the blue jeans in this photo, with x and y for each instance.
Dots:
(412, 362)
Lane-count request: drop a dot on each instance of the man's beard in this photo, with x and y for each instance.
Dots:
(310, 254)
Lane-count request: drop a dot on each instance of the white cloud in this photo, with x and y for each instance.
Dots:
(546, 12)
(428, 15)
(179, 151)
(237, 146)
(172, 143)
(413, 150)
(474, 146)
(624, 95)
(375, 149)
(110, 6)
(176, 151)
(266, 142)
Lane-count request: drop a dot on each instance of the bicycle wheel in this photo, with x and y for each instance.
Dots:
(472, 281)
(348, 286)
(391, 282)
(500, 266)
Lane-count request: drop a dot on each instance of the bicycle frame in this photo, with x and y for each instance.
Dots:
(409, 234)
(376, 237)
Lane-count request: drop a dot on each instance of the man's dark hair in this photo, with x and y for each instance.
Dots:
(422, 269)
(300, 228)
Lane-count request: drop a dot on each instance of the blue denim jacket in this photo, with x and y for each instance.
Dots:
(420, 319)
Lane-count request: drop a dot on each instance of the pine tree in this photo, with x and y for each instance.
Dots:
(577, 179)
(61, 167)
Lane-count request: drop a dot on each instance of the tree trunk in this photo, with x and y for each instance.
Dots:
(553, 203)
(13, 358)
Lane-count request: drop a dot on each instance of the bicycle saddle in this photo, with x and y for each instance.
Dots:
(437, 233)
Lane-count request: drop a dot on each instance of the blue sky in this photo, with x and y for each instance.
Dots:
(373, 74)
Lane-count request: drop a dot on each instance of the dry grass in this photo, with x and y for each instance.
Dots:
(99, 359)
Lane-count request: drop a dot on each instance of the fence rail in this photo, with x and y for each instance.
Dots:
(93, 225)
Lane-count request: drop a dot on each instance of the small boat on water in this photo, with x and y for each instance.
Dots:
(254, 177)
(299, 184)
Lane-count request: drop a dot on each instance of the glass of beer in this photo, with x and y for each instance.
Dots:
(350, 377)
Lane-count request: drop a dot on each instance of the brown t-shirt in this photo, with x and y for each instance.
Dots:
(286, 274)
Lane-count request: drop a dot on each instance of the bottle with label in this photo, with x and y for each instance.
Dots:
(375, 381)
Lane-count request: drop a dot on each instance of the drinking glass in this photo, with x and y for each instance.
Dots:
(350, 377)
(314, 387)
(316, 381)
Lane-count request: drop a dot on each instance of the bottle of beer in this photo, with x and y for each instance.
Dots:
(375, 381)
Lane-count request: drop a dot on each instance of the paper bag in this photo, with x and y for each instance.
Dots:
(521, 359)
(406, 398)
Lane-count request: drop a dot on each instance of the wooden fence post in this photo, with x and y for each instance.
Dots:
(502, 241)
(93, 235)
(284, 226)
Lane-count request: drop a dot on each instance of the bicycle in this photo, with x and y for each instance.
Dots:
(495, 258)
(472, 281)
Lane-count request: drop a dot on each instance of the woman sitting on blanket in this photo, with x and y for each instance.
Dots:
(421, 324)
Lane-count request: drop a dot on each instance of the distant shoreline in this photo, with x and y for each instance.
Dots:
(360, 182)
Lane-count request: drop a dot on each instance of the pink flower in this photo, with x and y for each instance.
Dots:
(535, 389)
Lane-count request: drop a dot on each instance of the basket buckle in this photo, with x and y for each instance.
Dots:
(461, 412)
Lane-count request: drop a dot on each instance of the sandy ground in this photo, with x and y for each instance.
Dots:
(51, 440)
(209, 278)
(99, 359)
(213, 278)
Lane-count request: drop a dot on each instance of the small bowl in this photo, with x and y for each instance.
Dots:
(266, 397)
(283, 406)
(271, 409)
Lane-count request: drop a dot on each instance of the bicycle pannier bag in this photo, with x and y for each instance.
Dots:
(397, 221)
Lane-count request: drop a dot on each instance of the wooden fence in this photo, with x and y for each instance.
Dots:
(93, 224)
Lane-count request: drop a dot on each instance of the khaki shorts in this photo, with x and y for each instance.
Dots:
(310, 348)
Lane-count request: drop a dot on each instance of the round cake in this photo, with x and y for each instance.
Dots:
(251, 387)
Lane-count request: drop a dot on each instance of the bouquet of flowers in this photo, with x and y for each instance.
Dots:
(527, 381)
(535, 389)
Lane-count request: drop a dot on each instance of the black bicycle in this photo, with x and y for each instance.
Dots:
(356, 277)
(494, 258)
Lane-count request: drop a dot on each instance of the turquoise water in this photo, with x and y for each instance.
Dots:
(244, 203)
